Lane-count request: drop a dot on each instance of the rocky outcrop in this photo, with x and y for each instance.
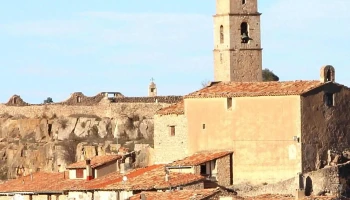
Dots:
(50, 144)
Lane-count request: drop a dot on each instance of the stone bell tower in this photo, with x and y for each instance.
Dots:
(237, 41)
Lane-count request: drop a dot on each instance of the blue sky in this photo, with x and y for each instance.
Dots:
(54, 48)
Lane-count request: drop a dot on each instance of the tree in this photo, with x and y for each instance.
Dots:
(48, 100)
(268, 75)
(205, 83)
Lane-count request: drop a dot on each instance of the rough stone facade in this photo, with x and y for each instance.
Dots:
(167, 147)
(324, 127)
(234, 60)
(224, 175)
(194, 186)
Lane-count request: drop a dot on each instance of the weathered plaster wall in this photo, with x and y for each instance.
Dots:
(259, 130)
(106, 169)
(170, 148)
(324, 128)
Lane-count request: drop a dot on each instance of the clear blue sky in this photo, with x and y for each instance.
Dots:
(54, 48)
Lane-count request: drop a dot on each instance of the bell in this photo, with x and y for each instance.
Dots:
(246, 37)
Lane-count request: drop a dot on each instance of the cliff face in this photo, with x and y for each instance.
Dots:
(50, 143)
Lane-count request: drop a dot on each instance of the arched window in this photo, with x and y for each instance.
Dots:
(221, 34)
(244, 2)
(329, 75)
(244, 32)
(78, 99)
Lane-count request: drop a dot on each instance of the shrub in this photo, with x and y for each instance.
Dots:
(63, 122)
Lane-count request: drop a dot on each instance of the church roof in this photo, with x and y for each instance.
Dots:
(253, 89)
(177, 109)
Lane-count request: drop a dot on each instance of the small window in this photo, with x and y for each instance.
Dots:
(244, 2)
(203, 170)
(152, 89)
(221, 34)
(203, 126)
(329, 99)
(229, 103)
(78, 99)
(172, 130)
(79, 173)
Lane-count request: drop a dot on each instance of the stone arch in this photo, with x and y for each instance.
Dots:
(327, 74)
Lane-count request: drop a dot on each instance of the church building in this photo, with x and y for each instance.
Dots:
(274, 129)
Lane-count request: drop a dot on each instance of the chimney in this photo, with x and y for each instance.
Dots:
(166, 174)
(122, 168)
(88, 170)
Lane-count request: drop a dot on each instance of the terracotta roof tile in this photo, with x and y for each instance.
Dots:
(201, 157)
(177, 195)
(95, 161)
(177, 109)
(40, 182)
(154, 179)
(251, 89)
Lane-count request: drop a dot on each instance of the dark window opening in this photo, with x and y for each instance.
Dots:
(329, 76)
(172, 130)
(14, 100)
(203, 170)
(308, 186)
(203, 126)
(79, 173)
(49, 128)
(152, 89)
(329, 99)
(229, 103)
(245, 33)
(221, 34)
(244, 2)
(78, 99)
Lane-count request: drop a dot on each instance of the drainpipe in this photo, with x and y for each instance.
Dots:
(88, 170)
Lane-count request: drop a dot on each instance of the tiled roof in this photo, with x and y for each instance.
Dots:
(177, 109)
(252, 89)
(95, 161)
(154, 179)
(40, 182)
(112, 178)
(200, 158)
(178, 195)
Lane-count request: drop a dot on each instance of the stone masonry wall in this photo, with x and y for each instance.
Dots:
(194, 186)
(224, 175)
(170, 148)
(103, 110)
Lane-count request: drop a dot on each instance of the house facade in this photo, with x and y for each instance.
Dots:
(275, 129)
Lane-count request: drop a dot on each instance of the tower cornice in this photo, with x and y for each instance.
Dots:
(237, 14)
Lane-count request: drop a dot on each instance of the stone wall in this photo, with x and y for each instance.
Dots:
(170, 148)
(324, 127)
(225, 171)
(79, 99)
(194, 186)
(102, 110)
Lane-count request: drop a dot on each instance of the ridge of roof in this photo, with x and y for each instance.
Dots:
(95, 161)
(251, 89)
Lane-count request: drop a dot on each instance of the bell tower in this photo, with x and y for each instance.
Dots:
(237, 41)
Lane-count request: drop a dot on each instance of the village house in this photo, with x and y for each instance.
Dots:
(275, 129)
(101, 178)
(216, 166)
